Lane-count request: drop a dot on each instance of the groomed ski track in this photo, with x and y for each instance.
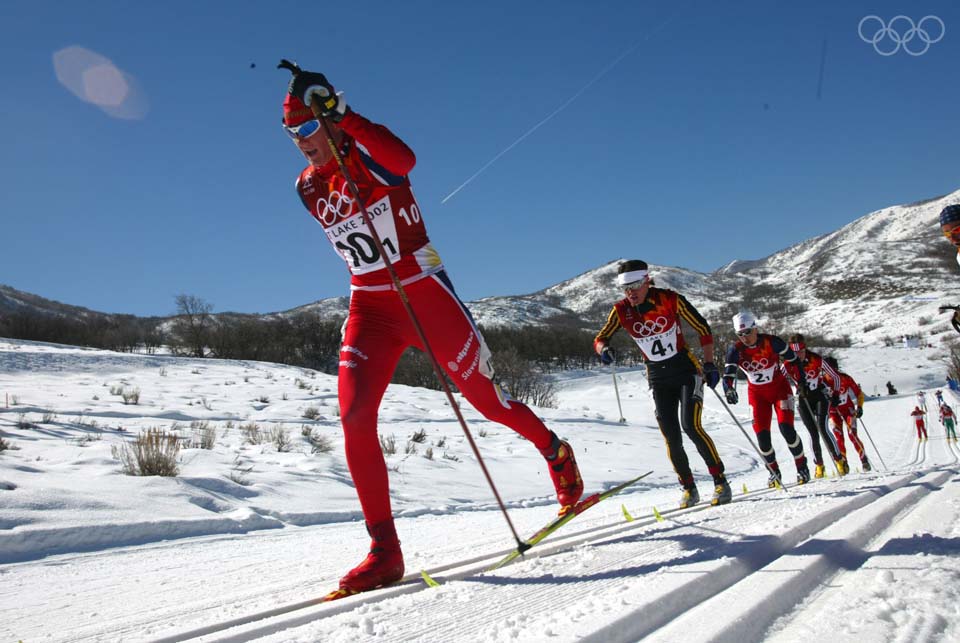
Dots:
(612, 580)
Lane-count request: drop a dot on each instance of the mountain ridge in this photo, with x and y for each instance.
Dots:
(891, 264)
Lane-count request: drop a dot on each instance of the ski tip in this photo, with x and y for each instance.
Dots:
(428, 579)
(337, 594)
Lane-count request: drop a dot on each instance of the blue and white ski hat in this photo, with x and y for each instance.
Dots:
(744, 320)
(950, 214)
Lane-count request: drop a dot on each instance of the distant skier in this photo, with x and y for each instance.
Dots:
(949, 421)
(922, 401)
(939, 395)
(846, 412)
(651, 316)
(760, 356)
(815, 398)
(378, 329)
(921, 425)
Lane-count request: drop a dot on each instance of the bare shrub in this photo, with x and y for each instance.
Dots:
(428, 454)
(319, 443)
(872, 326)
(49, 417)
(251, 433)
(482, 432)
(388, 445)
(23, 422)
(4, 445)
(116, 389)
(523, 380)
(419, 437)
(280, 438)
(311, 413)
(204, 436)
(206, 403)
(923, 321)
(410, 448)
(263, 399)
(453, 458)
(441, 442)
(131, 396)
(240, 474)
(153, 453)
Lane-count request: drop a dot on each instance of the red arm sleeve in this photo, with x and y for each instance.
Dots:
(383, 145)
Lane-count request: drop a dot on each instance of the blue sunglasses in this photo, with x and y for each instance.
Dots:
(305, 130)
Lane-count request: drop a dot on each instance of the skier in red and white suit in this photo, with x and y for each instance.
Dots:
(849, 407)
(378, 329)
(918, 416)
(759, 355)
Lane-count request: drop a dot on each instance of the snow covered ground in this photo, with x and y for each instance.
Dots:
(242, 542)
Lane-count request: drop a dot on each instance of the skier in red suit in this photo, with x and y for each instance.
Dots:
(921, 425)
(849, 407)
(378, 329)
(760, 356)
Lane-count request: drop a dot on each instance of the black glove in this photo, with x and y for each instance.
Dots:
(732, 397)
(834, 400)
(308, 85)
(859, 411)
(607, 356)
(711, 374)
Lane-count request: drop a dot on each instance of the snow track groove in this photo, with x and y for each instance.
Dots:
(628, 581)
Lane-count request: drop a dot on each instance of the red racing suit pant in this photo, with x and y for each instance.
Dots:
(921, 428)
(846, 414)
(765, 399)
(377, 332)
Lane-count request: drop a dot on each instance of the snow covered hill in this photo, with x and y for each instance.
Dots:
(239, 545)
(882, 275)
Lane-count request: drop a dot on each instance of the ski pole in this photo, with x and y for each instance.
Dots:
(864, 426)
(613, 369)
(745, 435)
(378, 243)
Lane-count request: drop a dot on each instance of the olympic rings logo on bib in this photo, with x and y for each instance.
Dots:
(756, 365)
(651, 327)
(336, 206)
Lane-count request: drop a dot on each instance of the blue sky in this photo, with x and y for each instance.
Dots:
(707, 142)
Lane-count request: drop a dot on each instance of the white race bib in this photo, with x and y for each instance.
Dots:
(760, 371)
(658, 347)
(352, 240)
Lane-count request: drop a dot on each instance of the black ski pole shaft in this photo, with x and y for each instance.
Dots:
(745, 435)
(368, 221)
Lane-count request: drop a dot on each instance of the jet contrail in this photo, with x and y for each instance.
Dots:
(603, 72)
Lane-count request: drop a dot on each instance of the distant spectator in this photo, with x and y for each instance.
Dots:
(891, 389)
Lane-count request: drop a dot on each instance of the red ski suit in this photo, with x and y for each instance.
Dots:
(921, 425)
(378, 329)
(851, 398)
(767, 390)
